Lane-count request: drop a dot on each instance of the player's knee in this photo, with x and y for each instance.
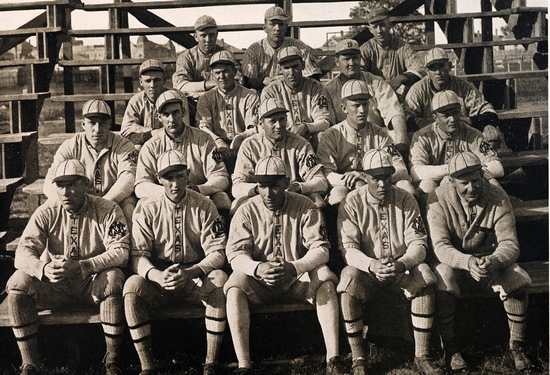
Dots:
(107, 283)
(218, 278)
(317, 200)
(20, 283)
(407, 186)
(135, 285)
(427, 186)
(446, 279)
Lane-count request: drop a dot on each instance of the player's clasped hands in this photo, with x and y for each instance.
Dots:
(386, 269)
(480, 268)
(276, 272)
(174, 277)
(61, 268)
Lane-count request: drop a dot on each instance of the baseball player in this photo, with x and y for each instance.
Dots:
(473, 234)
(384, 107)
(178, 248)
(228, 114)
(207, 173)
(342, 146)
(433, 146)
(86, 240)
(305, 173)
(192, 73)
(383, 240)
(388, 56)
(304, 98)
(279, 249)
(259, 64)
(109, 159)
(418, 101)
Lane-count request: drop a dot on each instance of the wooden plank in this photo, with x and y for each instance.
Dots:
(25, 62)
(493, 43)
(6, 183)
(505, 75)
(86, 97)
(35, 188)
(23, 97)
(33, 5)
(507, 114)
(15, 137)
(531, 210)
(55, 139)
(30, 31)
(523, 158)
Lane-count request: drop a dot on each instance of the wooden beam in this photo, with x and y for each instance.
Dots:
(8, 42)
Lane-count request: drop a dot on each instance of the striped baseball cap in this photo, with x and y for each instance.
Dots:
(289, 53)
(347, 47)
(444, 100)
(96, 107)
(151, 64)
(269, 169)
(378, 162)
(355, 89)
(170, 160)
(70, 170)
(378, 14)
(271, 106)
(464, 162)
(275, 13)
(169, 96)
(205, 22)
(223, 57)
(434, 56)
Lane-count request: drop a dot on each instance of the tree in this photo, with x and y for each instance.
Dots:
(412, 33)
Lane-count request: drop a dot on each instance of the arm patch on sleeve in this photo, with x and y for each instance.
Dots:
(218, 228)
(322, 102)
(117, 230)
(485, 147)
(418, 226)
(311, 161)
(392, 150)
(132, 157)
(217, 156)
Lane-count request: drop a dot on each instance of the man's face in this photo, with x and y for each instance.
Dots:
(224, 75)
(349, 65)
(275, 30)
(381, 31)
(174, 183)
(469, 186)
(96, 129)
(356, 110)
(439, 74)
(273, 193)
(379, 186)
(292, 72)
(448, 120)
(71, 194)
(171, 116)
(275, 126)
(152, 82)
(206, 38)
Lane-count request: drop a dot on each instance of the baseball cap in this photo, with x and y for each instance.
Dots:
(70, 170)
(445, 99)
(378, 14)
(151, 64)
(378, 162)
(355, 89)
(223, 57)
(271, 106)
(169, 96)
(464, 162)
(170, 160)
(96, 107)
(434, 56)
(275, 13)
(289, 53)
(347, 47)
(204, 22)
(269, 169)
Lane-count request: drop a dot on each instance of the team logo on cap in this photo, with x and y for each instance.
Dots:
(117, 230)
(418, 226)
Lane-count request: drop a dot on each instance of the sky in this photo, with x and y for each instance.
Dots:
(225, 15)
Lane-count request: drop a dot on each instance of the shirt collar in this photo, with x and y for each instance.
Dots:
(447, 136)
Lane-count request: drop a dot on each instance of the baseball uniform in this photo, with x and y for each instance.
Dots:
(192, 69)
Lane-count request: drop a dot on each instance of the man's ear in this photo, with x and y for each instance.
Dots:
(434, 116)
(286, 182)
(344, 107)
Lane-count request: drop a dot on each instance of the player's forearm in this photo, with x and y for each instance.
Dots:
(493, 169)
(115, 257)
(213, 261)
(400, 129)
(148, 190)
(313, 259)
(245, 264)
(356, 258)
(318, 125)
(335, 179)
(243, 189)
(317, 184)
(28, 261)
(214, 185)
(141, 264)
(428, 172)
(123, 187)
(415, 254)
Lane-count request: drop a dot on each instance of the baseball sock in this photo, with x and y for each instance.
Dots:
(137, 316)
(516, 311)
(111, 312)
(215, 320)
(445, 310)
(422, 313)
(24, 322)
(326, 302)
(352, 311)
(238, 315)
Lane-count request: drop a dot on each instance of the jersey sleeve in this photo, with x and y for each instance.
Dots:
(250, 62)
(415, 233)
(183, 73)
(213, 239)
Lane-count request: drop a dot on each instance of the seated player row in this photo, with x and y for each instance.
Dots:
(72, 248)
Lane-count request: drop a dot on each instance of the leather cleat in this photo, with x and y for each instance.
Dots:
(243, 371)
(335, 366)
(112, 369)
(209, 369)
(517, 354)
(29, 370)
(455, 362)
(359, 367)
(425, 366)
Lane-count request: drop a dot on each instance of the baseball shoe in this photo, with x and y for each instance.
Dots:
(148, 372)
(29, 370)
(427, 367)
(243, 371)
(209, 369)
(112, 369)
(517, 353)
(455, 362)
(335, 366)
(359, 367)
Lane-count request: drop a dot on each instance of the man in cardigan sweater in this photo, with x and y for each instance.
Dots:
(473, 233)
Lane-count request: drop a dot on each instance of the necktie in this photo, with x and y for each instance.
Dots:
(73, 238)
(229, 121)
(277, 235)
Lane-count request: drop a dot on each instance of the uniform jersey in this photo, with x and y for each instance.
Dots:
(396, 59)
(103, 169)
(296, 233)
(229, 114)
(300, 162)
(96, 236)
(187, 232)
(204, 161)
(305, 104)
(192, 67)
(383, 106)
(261, 59)
(342, 147)
(418, 102)
(432, 146)
(392, 228)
